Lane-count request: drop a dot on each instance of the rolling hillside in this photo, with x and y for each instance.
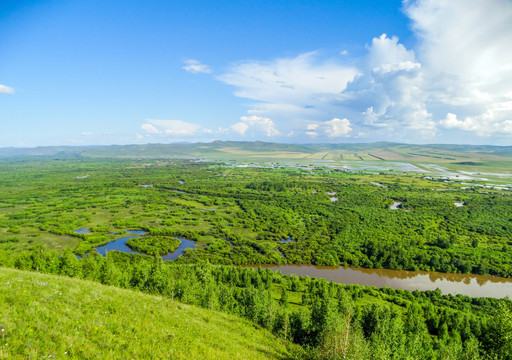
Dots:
(45, 316)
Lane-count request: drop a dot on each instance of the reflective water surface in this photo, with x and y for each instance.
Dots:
(470, 285)
(120, 245)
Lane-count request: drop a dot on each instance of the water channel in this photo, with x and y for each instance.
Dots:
(465, 284)
(120, 245)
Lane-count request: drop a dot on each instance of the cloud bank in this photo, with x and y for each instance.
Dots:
(457, 77)
(456, 80)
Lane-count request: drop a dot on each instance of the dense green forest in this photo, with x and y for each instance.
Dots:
(329, 320)
(238, 215)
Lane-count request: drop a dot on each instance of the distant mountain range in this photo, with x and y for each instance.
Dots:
(258, 150)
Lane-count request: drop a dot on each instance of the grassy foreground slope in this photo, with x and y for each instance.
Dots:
(52, 316)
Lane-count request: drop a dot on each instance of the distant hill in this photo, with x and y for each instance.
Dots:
(261, 151)
(48, 316)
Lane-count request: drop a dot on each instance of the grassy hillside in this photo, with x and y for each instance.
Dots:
(58, 317)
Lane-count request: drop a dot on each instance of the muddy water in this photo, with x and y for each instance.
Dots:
(470, 285)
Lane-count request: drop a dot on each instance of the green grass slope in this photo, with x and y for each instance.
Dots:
(48, 316)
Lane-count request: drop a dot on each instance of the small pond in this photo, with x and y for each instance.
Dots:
(82, 231)
(396, 205)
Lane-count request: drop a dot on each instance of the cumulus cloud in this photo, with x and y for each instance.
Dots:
(257, 124)
(4, 89)
(483, 124)
(303, 88)
(240, 128)
(389, 96)
(195, 67)
(461, 65)
(337, 127)
(334, 128)
(386, 51)
(466, 56)
(384, 93)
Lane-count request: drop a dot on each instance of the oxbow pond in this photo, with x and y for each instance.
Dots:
(120, 245)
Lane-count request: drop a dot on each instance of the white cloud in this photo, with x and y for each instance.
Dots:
(240, 128)
(451, 122)
(196, 67)
(258, 124)
(483, 124)
(6, 89)
(86, 133)
(466, 55)
(389, 96)
(334, 128)
(387, 51)
(396, 67)
(461, 65)
(303, 88)
(289, 80)
(371, 118)
(385, 93)
(150, 129)
(173, 128)
(251, 126)
(337, 127)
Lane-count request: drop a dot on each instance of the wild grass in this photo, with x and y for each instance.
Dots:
(47, 316)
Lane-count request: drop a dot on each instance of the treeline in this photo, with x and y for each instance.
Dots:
(329, 320)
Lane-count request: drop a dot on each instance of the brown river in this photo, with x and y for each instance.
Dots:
(470, 285)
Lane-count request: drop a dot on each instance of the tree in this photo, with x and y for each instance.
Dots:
(498, 337)
(284, 296)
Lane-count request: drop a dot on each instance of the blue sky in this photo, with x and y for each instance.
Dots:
(123, 72)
